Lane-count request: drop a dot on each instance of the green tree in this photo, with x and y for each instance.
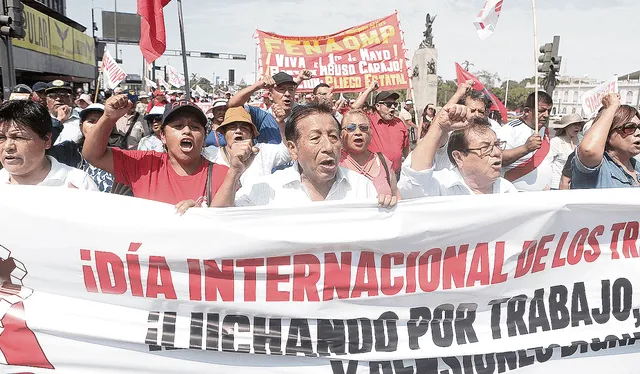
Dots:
(446, 89)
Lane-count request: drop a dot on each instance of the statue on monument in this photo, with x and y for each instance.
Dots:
(428, 32)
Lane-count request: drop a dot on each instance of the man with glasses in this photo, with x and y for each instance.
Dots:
(473, 149)
(60, 105)
(282, 91)
(388, 132)
(477, 103)
(527, 159)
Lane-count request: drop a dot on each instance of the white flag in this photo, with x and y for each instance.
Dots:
(112, 73)
(200, 91)
(150, 83)
(175, 78)
(487, 19)
(163, 83)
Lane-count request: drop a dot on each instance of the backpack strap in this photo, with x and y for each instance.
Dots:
(384, 165)
(132, 122)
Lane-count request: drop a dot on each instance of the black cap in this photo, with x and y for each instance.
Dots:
(39, 86)
(283, 77)
(58, 85)
(387, 95)
(183, 106)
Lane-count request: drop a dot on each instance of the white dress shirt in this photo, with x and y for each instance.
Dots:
(284, 188)
(444, 182)
(151, 143)
(70, 131)
(60, 175)
(516, 133)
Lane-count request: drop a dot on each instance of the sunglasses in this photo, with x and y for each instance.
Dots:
(352, 127)
(627, 129)
(389, 104)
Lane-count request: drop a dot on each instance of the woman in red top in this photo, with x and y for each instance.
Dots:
(181, 174)
(356, 137)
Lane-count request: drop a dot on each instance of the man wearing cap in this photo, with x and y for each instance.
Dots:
(217, 111)
(21, 92)
(159, 99)
(153, 141)
(389, 134)
(238, 128)
(143, 102)
(181, 173)
(563, 144)
(60, 104)
(39, 94)
(266, 101)
(406, 115)
(129, 128)
(282, 90)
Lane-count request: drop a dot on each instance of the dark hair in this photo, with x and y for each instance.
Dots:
(476, 96)
(29, 114)
(301, 112)
(316, 88)
(543, 97)
(624, 114)
(458, 140)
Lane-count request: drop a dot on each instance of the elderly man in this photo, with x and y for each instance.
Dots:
(527, 159)
(282, 90)
(389, 134)
(217, 110)
(473, 148)
(323, 94)
(60, 105)
(313, 139)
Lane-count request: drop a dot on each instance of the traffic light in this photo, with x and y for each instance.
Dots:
(555, 59)
(12, 20)
(549, 60)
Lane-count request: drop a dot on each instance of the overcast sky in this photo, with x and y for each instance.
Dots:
(598, 38)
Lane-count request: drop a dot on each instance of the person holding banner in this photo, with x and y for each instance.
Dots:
(181, 173)
(605, 157)
(25, 135)
(313, 139)
(474, 150)
(389, 133)
(527, 159)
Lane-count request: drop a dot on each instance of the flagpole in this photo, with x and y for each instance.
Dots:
(535, 61)
(184, 52)
(95, 100)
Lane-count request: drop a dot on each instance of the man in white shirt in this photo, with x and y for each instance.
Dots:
(60, 105)
(527, 159)
(25, 134)
(313, 139)
(473, 149)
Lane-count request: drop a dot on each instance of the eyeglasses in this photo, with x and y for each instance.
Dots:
(627, 129)
(487, 149)
(59, 95)
(353, 126)
(283, 89)
(389, 104)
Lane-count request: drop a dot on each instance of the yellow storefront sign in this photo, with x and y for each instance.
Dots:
(83, 48)
(61, 39)
(37, 29)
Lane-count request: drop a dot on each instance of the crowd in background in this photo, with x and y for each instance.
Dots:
(267, 144)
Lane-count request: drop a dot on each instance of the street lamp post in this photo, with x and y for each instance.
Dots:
(115, 25)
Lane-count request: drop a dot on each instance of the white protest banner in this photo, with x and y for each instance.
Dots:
(200, 91)
(175, 77)
(592, 99)
(150, 83)
(112, 73)
(487, 19)
(473, 284)
(163, 83)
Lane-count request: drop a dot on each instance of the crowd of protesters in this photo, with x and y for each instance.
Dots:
(269, 145)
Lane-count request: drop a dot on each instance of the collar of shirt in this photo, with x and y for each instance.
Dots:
(456, 179)
(376, 119)
(56, 176)
(291, 178)
(72, 117)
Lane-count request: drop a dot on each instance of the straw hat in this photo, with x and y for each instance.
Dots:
(567, 120)
(238, 114)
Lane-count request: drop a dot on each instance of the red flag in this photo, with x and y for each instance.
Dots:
(153, 40)
(464, 76)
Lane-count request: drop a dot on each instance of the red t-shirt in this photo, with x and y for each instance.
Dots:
(152, 177)
(153, 103)
(389, 138)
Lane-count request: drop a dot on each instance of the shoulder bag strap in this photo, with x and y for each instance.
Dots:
(132, 123)
(208, 186)
(384, 164)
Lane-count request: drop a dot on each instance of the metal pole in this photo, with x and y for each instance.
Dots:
(8, 72)
(115, 25)
(535, 61)
(184, 52)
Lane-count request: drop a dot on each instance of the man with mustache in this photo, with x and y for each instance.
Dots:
(473, 149)
(282, 91)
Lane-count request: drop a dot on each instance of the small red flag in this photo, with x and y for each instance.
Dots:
(153, 40)
(464, 76)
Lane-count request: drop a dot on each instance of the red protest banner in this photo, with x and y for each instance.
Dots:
(348, 61)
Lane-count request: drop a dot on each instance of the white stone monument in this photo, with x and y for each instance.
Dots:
(424, 76)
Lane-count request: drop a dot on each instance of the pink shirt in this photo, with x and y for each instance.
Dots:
(380, 181)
